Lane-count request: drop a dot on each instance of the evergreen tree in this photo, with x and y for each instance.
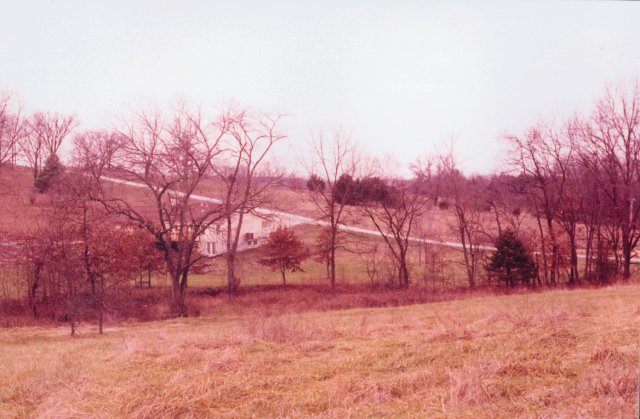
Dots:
(315, 183)
(345, 190)
(52, 169)
(511, 261)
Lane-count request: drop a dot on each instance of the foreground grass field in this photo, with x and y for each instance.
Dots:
(566, 353)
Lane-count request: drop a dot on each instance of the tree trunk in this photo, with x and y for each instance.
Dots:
(232, 284)
(543, 250)
(404, 269)
(555, 252)
(588, 251)
(100, 317)
(32, 293)
(467, 248)
(332, 257)
(626, 254)
(232, 281)
(575, 275)
(177, 294)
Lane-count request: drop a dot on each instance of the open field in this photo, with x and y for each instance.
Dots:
(559, 353)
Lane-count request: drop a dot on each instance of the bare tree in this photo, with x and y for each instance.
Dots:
(55, 280)
(505, 196)
(94, 151)
(600, 229)
(612, 149)
(395, 217)
(245, 175)
(468, 225)
(47, 132)
(13, 130)
(379, 264)
(110, 250)
(170, 157)
(79, 259)
(433, 260)
(35, 250)
(332, 159)
(542, 157)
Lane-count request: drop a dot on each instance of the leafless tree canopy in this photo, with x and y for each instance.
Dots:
(570, 199)
(46, 133)
(13, 130)
(170, 156)
(245, 174)
(396, 218)
(332, 159)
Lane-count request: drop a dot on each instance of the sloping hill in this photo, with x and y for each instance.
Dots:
(560, 353)
(20, 205)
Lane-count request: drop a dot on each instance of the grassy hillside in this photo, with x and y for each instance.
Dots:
(560, 353)
(16, 193)
(21, 204)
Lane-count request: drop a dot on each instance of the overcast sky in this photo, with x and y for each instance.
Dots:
(401, 76)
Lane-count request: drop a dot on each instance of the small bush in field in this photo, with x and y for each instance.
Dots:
(284, 252)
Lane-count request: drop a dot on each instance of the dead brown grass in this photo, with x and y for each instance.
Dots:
(559, 353)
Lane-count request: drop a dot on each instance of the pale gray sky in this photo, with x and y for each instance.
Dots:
(401, 76)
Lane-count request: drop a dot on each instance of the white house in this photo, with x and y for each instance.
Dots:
(254, 231)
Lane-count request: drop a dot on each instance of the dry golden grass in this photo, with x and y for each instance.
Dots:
(558, 353)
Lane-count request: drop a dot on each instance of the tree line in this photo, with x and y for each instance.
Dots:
(565, 211)
(569, 198)
(170, 156)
